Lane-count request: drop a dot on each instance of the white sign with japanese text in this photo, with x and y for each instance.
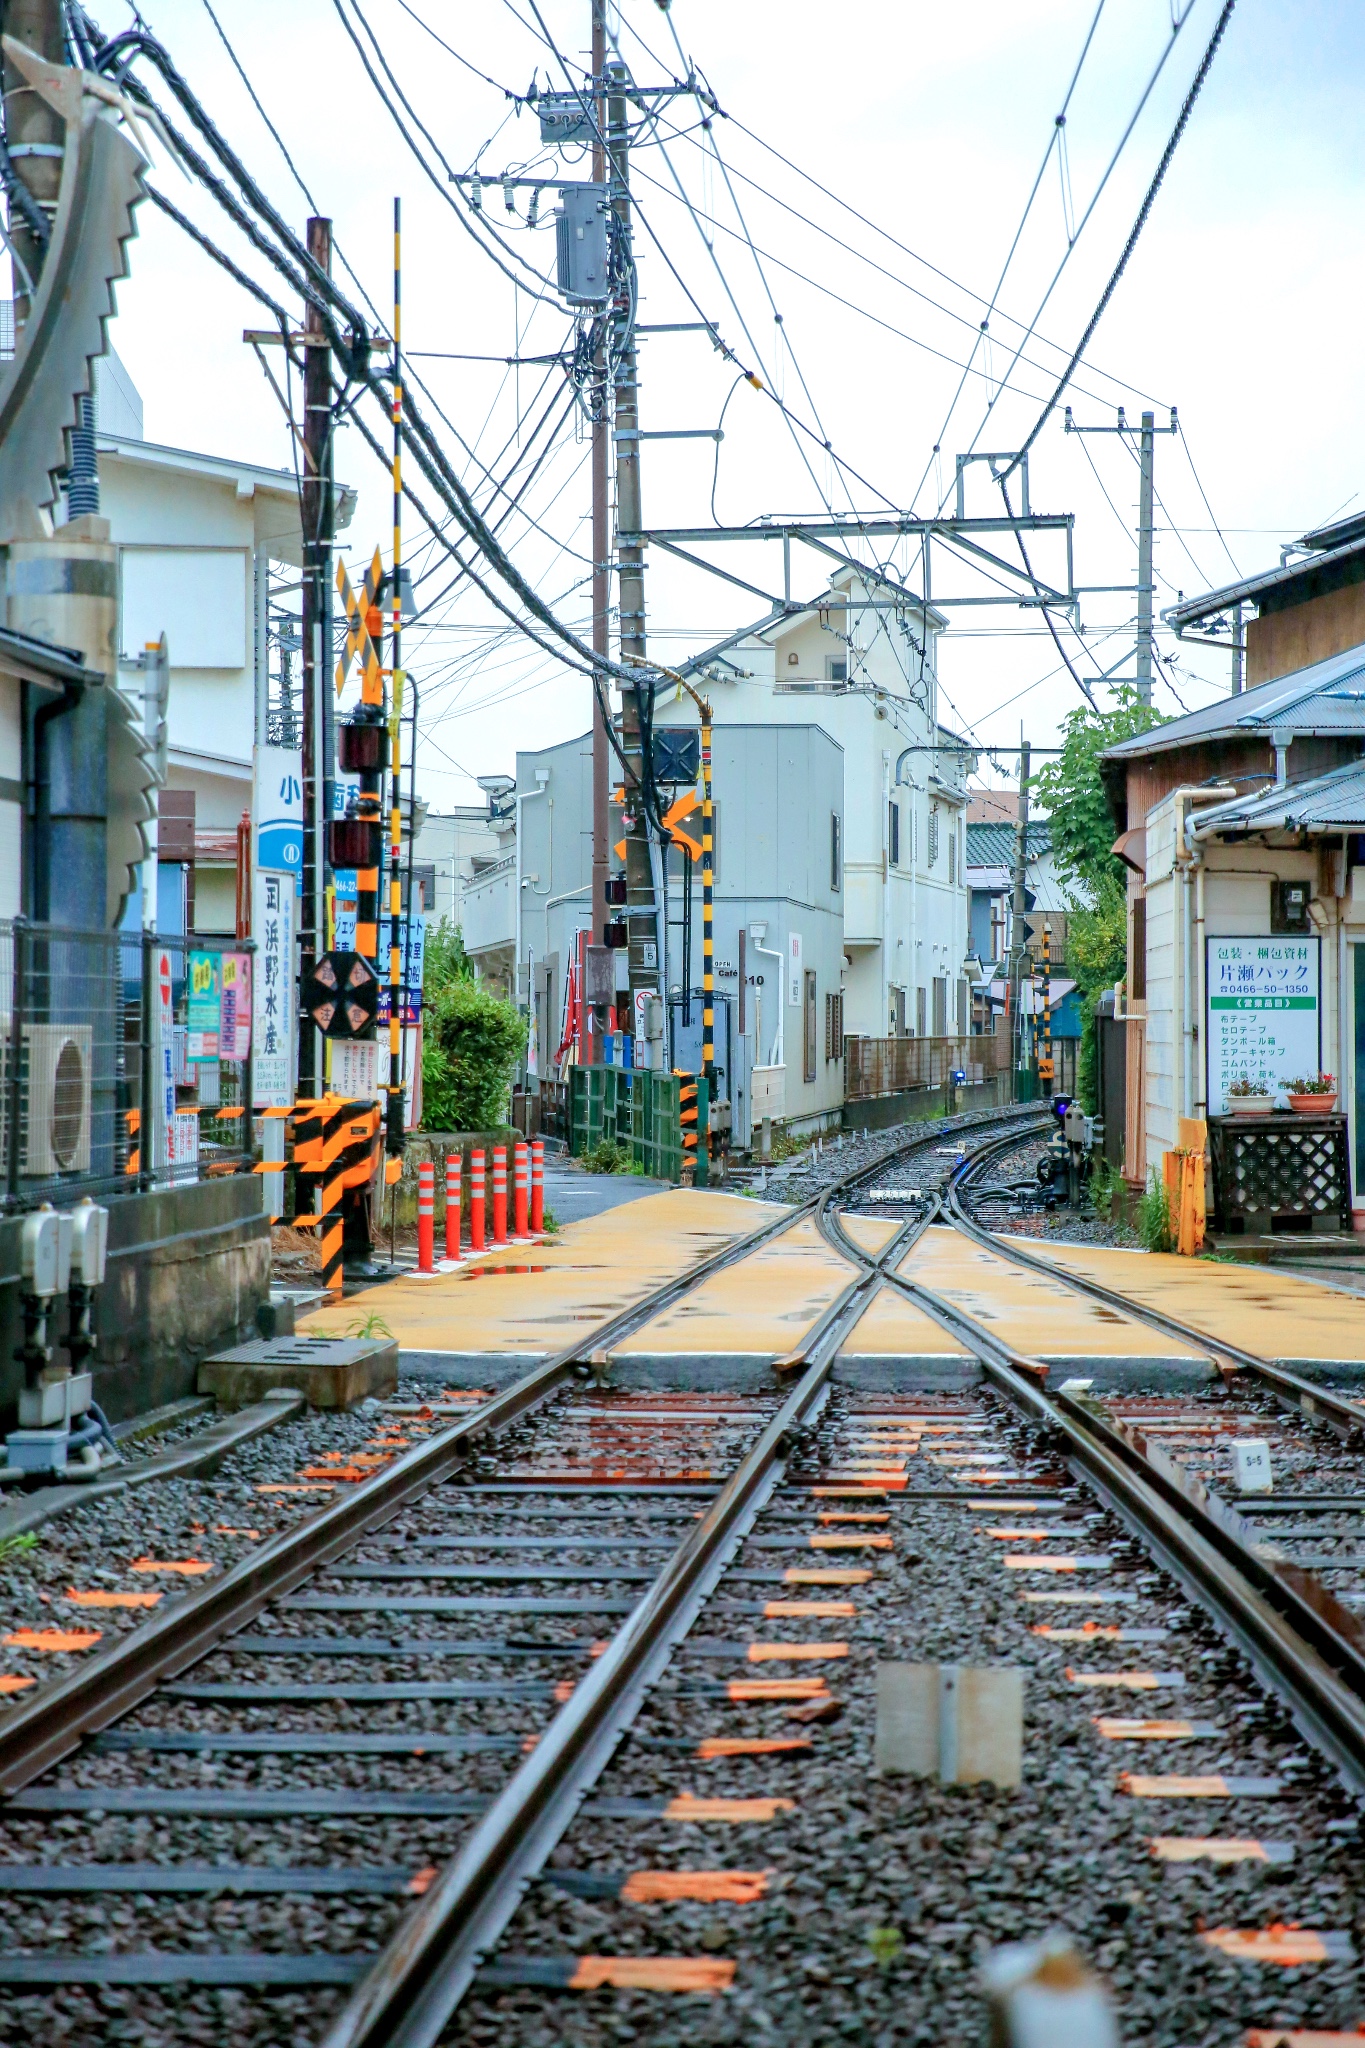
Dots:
(274, 989)
(1263, 1013)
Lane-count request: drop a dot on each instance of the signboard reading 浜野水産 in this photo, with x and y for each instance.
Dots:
(1263, 1013)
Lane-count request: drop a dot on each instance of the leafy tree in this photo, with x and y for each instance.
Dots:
(471, 1041)
(1070, 788)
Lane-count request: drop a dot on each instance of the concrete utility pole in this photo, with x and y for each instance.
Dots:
(1018, 931)
(317, 516)
(601, 567)
(641, 911)
(1146, 459)
(1238, 651)
(34, 134)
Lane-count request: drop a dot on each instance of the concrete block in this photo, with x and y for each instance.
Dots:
(961, 1724)
(275, 1318)
(330, 1372)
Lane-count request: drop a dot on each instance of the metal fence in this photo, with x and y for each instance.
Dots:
(887, 1066)
(125, 1061)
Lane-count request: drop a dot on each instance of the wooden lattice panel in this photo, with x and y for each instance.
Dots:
(1270, 1169)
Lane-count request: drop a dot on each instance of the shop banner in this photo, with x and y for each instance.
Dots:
(1264, 1013)
(203, 1018)
(274, 990)
(234, 1038)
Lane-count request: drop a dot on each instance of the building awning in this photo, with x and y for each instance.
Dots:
(1131, 848)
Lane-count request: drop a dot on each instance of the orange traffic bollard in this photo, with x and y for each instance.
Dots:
(537, 1187)
(426, 1218)
(521, 1178)
(476, 1201)
(499, 1194)
(453, 1206)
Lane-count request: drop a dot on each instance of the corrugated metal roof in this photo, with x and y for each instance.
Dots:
(1329, 697)
(1326, 803)
(992, 845)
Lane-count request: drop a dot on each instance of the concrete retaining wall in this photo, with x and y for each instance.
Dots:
(880, 1111)
(187, 1268)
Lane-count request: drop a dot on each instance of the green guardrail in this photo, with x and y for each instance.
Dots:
(643, 1111)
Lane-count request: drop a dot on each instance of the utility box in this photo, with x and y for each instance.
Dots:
(582, 244)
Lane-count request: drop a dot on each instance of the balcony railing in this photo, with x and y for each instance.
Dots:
(889, 1066)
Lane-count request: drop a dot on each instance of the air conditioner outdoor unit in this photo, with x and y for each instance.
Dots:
(54, 1097)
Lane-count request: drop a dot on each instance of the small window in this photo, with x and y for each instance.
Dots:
(836, 671)
(933, 835)
(836, 851)
(893, 833)
(952, 856)
(834, 1026)
(808, 1065)
(1137, 970)
(921, 1013)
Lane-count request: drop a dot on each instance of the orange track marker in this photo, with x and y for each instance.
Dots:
(687, 1807)
(100, 1599)
(54, 1640)
(188, 1567)
(734, 1887)
(796, 1575)
(809, 1610)
(841, 1542)
(1286, 1944)
(652, 1973)
(741, 1690)
(1207, 1849)
(783, 1653)
(10, 1681)
(739, 1745)
(841, 1516)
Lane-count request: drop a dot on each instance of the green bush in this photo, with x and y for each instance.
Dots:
(607, 1156)
(1154, 1228)
(471, 1044)
(1105, 1185)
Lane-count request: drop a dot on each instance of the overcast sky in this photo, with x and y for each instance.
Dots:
(1240, 305)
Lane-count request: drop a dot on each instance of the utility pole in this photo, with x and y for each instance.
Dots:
(1238, 651)
(601, 567)
(641, 912)
(1146, 586)
(34, 134)
(1146, 459)
(316, 514)
(1018, 932)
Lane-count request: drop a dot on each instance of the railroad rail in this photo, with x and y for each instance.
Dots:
(406, 1995)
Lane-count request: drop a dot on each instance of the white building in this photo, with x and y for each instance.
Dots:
(861, 662)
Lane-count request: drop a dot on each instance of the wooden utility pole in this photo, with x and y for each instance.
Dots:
(1018, 929)
(601, 566)
(1146, 461)
(317, 516)
(641, 912)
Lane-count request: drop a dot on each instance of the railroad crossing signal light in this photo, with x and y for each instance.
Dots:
(341, 995)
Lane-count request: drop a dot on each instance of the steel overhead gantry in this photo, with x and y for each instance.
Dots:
(961, 536)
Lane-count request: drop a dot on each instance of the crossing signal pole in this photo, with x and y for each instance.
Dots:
(317, 517)
(601, 566)
(641, 911)
(394, 1108)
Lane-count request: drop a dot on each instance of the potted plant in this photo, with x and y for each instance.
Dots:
(1248, 1098)
(1312, 1094)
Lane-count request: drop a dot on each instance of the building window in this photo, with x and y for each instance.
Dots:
(834, 1026)
(836, 851)
(808, 1065)
(921, 1012)
(896, 1008)
(893, 833)
(952, 857)
(940, 1006)
(933, 835)
(1137, 966)
(963, 1006)
(836, 671)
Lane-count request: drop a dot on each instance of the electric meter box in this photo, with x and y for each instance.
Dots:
(45, 1252)
(89, 1243)
(581, 244)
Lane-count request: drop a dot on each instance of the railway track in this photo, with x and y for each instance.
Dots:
(535, 1696)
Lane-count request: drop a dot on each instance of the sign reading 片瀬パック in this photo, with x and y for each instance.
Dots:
(1263, 1013)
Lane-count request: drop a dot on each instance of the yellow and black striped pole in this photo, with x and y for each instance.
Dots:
(394, 1119)
(370, 802)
